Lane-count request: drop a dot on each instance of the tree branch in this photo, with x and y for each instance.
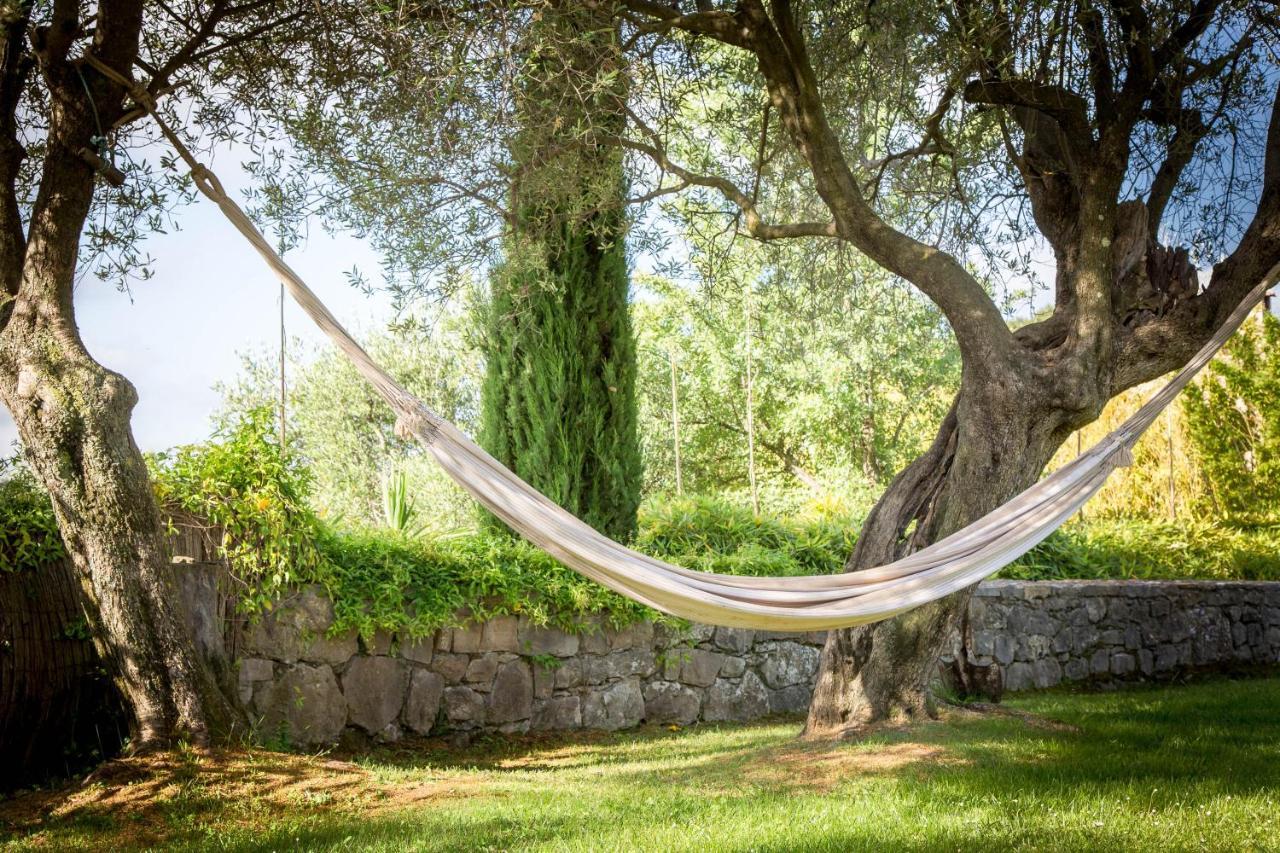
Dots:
(15, 66)
(1187, 32)
(1163, 343)
(1067, 108)
(1190, 128)
(659, 18)
(793, 92)
(784, 63)
(776, 446)
(756, 227)
(1100, 71)
(931, 142)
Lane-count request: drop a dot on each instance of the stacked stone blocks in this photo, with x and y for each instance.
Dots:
(305, 687)
(1045, 633)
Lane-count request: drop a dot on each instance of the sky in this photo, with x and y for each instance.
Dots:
(179, 333)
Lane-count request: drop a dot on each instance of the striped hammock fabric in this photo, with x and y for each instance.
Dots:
(784, 604)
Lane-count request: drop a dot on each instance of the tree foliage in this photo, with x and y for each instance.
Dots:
(255, 497)
(346, 434)
(848, 382)
(29, 537)
(558, 402)
(1233, 417)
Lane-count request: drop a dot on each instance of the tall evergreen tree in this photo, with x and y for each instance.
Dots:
(558, 402)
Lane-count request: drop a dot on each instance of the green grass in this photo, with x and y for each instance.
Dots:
(1175, 768)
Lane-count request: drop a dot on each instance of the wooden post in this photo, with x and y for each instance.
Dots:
(283, 396)
(1173, 486)
(1079, 450)
(675, 422)
(751, 421)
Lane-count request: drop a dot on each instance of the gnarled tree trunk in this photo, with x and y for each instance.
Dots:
(71, 412)
(993, 445)
(73, 417)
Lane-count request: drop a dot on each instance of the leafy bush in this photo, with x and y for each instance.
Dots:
(415, 585)
(244, 485)
(29, 537)
(1233, 416)
(418, 585)
(712, 535)
(258, 496)
(1118, 548)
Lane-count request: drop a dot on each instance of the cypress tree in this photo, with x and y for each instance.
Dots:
(558, 401)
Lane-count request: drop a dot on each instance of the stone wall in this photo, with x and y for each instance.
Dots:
(304, 687)
(1045, 633)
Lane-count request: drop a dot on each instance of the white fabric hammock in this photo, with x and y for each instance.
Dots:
(770, 603)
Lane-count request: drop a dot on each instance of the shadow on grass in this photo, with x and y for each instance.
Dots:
(1148, 768)
(1222, 733)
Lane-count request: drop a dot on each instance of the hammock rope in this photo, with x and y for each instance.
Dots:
(809, 603)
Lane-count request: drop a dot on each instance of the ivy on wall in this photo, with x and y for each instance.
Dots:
(259, 496)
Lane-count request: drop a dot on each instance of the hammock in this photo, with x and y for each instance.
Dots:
(811, 603)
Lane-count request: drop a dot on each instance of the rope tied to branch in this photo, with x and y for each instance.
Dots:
(146, 101)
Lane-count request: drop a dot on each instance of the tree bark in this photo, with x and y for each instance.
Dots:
(993, 445)
(73, 417)
(1126, 309)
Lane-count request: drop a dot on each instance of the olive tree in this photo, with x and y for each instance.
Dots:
(60, 121)
(1111, 131)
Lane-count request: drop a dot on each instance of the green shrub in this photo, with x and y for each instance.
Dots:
(1122, 548)
(243, 484)
(1233, 417)
(418, 585)
(413, 585)
(712, 535)
(29, 537)
(258, 495)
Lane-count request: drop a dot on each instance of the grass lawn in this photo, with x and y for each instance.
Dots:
(1177, 768)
